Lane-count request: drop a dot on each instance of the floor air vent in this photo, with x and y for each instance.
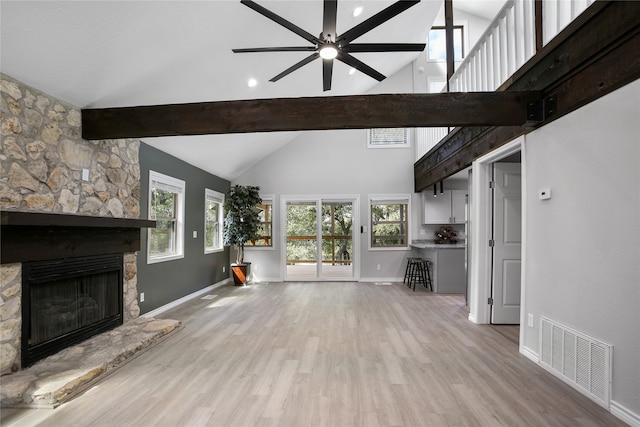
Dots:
(581, 361)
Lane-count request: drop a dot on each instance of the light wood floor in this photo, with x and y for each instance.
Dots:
(326, 354)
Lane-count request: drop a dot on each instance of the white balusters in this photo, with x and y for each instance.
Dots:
(506, 45)
(557, 14)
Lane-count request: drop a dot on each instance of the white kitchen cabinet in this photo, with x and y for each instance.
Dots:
(445, 208)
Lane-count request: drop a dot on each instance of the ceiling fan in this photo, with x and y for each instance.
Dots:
(330, 46)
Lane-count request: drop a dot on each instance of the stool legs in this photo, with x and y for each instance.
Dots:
(417, 271)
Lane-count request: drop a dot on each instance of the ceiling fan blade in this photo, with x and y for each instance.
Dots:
(377, 19)
(276, 49)
(360, 66)
(327, 73)
(280, 20)
(384, 47)
(329, 19)
(294, 67)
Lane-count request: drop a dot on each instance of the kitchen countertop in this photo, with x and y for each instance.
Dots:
(426, 245)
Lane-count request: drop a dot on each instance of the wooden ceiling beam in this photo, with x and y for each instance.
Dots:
(595, 55)
(314, 113)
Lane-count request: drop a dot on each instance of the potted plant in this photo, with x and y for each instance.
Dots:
(241, 225)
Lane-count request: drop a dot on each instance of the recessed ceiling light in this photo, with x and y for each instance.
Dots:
(352, 71)
(252, 82)
(357, 11)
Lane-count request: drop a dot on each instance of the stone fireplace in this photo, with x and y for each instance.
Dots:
(89, 189)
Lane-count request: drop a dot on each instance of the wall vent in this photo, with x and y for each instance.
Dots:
(578, 359)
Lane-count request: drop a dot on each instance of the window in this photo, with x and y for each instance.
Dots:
(265, 210)
(437, 44)
(389, 219)
(388, 138)
(213, 202)
(166, 207)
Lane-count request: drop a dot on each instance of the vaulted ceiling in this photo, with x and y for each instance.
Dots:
(96, 54)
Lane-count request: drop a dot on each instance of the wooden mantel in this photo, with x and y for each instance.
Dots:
(34, 236)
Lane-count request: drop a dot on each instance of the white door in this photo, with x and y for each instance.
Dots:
(507, 233)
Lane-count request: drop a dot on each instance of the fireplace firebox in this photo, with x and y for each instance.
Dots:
(67, 301)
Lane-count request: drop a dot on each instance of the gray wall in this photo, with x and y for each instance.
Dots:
(336, 162)
(582, 247)
(168, 281)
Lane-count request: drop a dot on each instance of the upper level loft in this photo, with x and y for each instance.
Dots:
(502, 36)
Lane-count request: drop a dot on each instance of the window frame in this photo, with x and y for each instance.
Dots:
(460, 27)
(388, 199)
(216, 197)
(267, 199)
(179, 208)
(406, 144)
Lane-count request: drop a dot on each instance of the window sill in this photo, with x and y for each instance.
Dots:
(157, 259)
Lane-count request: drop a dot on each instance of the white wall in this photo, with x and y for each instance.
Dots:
(334, 163)
(583, 250)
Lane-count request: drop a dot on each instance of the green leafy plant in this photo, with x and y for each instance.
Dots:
(241, 218)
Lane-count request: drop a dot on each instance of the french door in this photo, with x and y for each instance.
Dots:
(319, 239)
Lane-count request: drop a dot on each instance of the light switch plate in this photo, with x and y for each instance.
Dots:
(85, 174)
(195, 234)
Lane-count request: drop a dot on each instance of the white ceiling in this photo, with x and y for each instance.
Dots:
(95, 54)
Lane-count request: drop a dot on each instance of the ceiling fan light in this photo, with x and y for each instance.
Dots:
(328, 52)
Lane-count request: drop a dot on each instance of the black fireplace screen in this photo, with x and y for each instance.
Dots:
(67, 301)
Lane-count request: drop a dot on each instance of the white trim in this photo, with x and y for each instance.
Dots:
(480, 278)
(625, 414)
(528, 353)
(184, 299)
(389, 199)
(179, 187)
(217, 197)
(393, 280)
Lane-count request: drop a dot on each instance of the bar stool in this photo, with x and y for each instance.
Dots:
(417, 271)
(409, 270)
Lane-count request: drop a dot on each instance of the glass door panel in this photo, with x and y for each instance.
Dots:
(337, 240)
(301, 243)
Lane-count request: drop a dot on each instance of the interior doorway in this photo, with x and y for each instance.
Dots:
(481, 221)
(319, 239)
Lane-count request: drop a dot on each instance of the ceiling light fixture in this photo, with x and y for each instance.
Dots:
(352, 71)
(328, 51)
(252, 82)
(357, 11)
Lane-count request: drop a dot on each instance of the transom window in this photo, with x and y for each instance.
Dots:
(437, 44)
(212, 221)
(389, 219)
(388, 138)
(166, 207)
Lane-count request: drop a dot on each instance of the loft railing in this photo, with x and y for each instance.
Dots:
(506, 45)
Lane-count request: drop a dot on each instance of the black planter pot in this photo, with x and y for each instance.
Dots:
(241, 273)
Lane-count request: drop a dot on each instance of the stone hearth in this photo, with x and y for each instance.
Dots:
(58, 378)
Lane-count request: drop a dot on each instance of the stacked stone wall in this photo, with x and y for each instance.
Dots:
(42, 159)
(43, 156)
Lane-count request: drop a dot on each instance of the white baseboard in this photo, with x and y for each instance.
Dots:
(184, 299)
(472, 318)
(381, 279)
(530, 354)
(624, 414)
(266, 280)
